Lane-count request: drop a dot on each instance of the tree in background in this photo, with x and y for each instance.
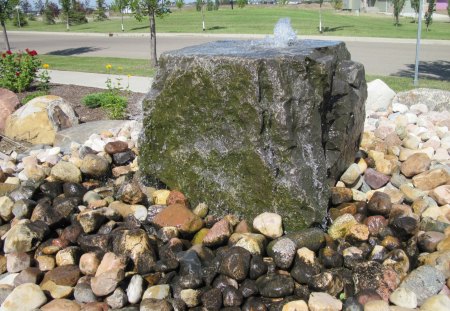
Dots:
(209, 5)
(216, 5)
(152, 9)
(51, 12)
(448, 7)
(198, 5)
(242, 3)
(320, 15)
(6, 9)
(19, 19)
(398, 7)
(337, 4)
(26, 6)
(179, 4)
(100, 11)
(78, 13)
(120, 6)
(39, 6)
(429, 13)
(415, 5)
(66, 7)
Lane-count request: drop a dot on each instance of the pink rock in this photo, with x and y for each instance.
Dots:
(111, 261)
(8, 102)
(441, 194)
(375, 179)
(218, 234)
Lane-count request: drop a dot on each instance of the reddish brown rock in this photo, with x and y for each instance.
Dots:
(373, 275)
(116, 147)
(341, 195)
(8, 103)
(177, 215)
(176, 197)
(218, 234)
(375, 224)
(64, 275)
(415, 164)
(95, 306)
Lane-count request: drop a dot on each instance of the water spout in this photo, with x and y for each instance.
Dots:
(283, 35)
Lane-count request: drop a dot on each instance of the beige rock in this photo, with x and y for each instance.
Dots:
(157, 292)
(296, 305)
(191, 297)
(436, 303)
(38, 121)
(253, 242)
(61, 304)
(431, 179)
(66, 172)
(68, 256)
(406, 153)
(441, 194)
(376, 305)
(111, 261)
(341, 226)
(46, 263)
(269, 224)
(57, 291)
(89, 263)
(25, 297)
(160, 197)
(415, 164)
(323, 302)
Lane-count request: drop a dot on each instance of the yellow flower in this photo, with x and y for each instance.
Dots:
(120, 68)
(46, 66)
(129, 75)
(108, 66)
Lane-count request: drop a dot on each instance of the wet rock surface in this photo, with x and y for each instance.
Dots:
(91, 241)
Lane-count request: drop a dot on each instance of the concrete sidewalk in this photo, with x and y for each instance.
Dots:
(136, 84)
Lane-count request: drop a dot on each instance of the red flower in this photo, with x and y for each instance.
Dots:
(17, 73)
(9, 52)
(31, 53)
(3, 55)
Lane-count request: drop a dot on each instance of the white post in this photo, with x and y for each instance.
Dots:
(419, 32)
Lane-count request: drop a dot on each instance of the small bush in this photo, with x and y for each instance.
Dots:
(22, 17)
(18, 70)
(114, 104)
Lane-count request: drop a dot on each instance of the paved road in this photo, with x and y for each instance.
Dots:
(379, 56)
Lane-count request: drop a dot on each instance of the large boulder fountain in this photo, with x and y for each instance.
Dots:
(254, 126)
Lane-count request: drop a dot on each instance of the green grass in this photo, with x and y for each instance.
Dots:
(260, 20)
(141, 67)
(124, 66)
(399, 84)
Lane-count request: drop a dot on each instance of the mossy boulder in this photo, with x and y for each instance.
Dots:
(249, 129)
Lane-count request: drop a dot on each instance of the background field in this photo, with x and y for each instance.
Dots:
(261, 20)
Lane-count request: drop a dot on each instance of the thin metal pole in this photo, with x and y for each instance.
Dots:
(419, 32)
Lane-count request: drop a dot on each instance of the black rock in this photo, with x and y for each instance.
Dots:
(51, 189)
(46, 213)
(236, 263)
(166, 265)
(303, 270)
(66, 205)
(379, 204)
(404, 226)
(123, 158)
(223, 281)
(248, 288)
(275, 285)
(302, 292)
(232, 297)
(73, 190)
(257, 267)
(190, 270)
(254, 304)
(212, 299)
(98, 243)
(312, 238)
(351, 304)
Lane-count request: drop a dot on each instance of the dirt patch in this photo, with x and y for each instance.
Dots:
(74, 95)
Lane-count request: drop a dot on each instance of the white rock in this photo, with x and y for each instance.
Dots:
(411, 118)
(323, 301)
(441, 155)
(8, 279)
(379, 95)
(397, 107)
(25, 297)
(135, 289)
(441, 131)
(436, 303)
(269, 224)
(376, 305)
(403, 297)
(419, 108)
(352, 173)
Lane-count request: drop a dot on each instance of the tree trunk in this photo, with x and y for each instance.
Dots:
(203, 18)
(320, 18)
(153, 57)
(67, 22)
(5, 35)
(121, 13)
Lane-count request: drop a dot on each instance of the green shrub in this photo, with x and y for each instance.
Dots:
(18, 70)
(22, 17)
(338, 4)
(114, 104)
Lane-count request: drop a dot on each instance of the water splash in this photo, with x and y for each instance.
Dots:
(283, 34)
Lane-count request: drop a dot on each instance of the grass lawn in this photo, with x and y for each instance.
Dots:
(141, 67)
(123, 66)
(261, 20)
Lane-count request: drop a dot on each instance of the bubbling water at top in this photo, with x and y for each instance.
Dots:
(283, 34)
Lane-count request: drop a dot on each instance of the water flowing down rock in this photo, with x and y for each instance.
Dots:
(248, 128)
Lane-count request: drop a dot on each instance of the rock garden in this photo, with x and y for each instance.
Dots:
(82, 231)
